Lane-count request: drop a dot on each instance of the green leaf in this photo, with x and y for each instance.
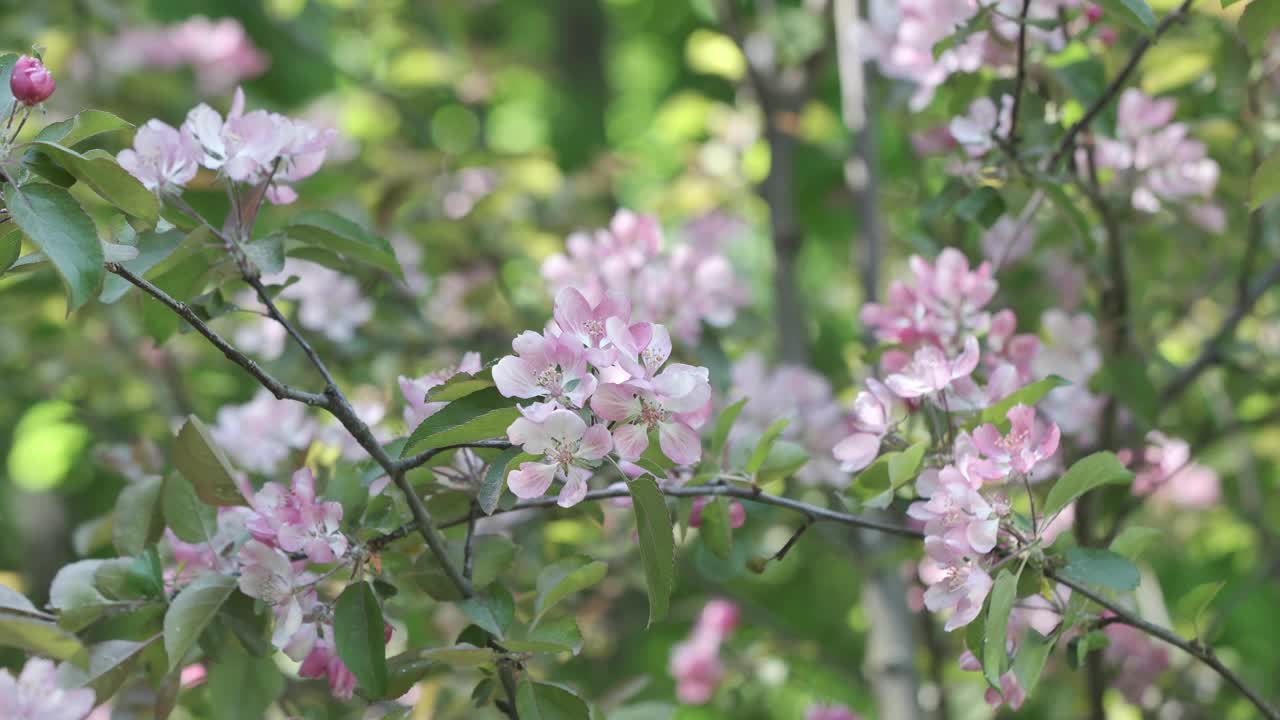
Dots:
(110, 664)
(75, 595)
(482, 415)
(1133, 541)
(1198, 599)
(1266, 181)
(1081, 645)
(495, 478)
(63, 231)
(10, 246)
(203, 464)
(995, 656)
(553, 636)
(267, 253)
(7, 62)
(86, 124)
(110, 181)
(459, 655)
(983, 206)
(461, 385)
(1257, 22)
(1134, 13)
(23, 626)
(137, 521)
(249, 621)
(493, 610)
(1101, 468)
(765, 444)
(785, 458)
(715, 530)
(191, 612)
(241, 686)
(544, 701)
(334, 232)
(1025, 395)
(1100, 568)
(904, 465)
(724, 425)
(191, 520)
(1033, 650)
(561, 579)
(359, 632)
(657, 544)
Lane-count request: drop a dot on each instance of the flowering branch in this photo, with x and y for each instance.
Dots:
(1117, 84)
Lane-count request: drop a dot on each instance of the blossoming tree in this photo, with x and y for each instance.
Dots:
(293, 537)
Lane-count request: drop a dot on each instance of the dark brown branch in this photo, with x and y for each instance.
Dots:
(1021, 78)
(1193, 648)
(1140, 49)
(424, 457)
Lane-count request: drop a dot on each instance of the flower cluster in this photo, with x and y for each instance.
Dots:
(817, 422)
(254, 148)
(682, 286)
(592, 361)
(219, 52)
(1169, 475)
(695, 663)
(1158, 160)
(35, 694)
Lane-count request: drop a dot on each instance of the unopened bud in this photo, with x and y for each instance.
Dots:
(31, 82)
(1093, 13)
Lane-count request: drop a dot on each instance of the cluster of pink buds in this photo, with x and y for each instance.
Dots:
(592, 361)
(255, 147)
(695, 663)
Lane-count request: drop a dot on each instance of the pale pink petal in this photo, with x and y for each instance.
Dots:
(596, 442)
(531, 480)
(679, 442)
(857, 451)
(630, 441)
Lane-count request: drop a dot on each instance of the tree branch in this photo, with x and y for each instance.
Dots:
(1193, 648)
(1117, 84)
(1211, 353)
(1021, 78)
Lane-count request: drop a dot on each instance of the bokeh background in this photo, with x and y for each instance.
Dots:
(478, 134)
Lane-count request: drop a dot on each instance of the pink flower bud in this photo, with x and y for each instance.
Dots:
(387, 630)
(719, 617)
(31, 82)
(1093, 13)
(1108, 36)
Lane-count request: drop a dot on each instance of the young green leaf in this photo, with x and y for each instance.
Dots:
(544, 701)
(191, 612)
(1197, 601)
(23, 626)
(657, 544)
(1026, 395)
(86, 124)
(995, 656)
(358, 633)
(137, 521)
(482, 415)
(1136, 14)
(191, 520)
(1101, 568)
(495, 478)
(553, 636)
(109, 665)
(241, 686)
(559, 580)
(334, 232)
(724, 425)
(493, 610)
(1266, 181)
(203, 464)
(110, 181)
(1101, 468)
(56, 224)
(1033, 651)
(765, 444)
(1133, 541)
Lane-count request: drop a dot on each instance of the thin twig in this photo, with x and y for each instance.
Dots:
(1021, 79)
(422, 458)
(791, 541)
(1117, 84)
(1193, 648)
(467, 546)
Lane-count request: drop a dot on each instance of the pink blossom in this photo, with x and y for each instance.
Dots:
(1029, 441)
(931, 371)
(875, 413)
(195, 559)
(31, 82)
(737, 513)
(35, 694)
(162, 159)
(817, 422)
(695, 663)
(322, 661)
(1070, 350)
(220, 52)
(260, 434)
(545, 366)
(328, 301)
(579, 319)
(683, 285)
(1010, 693)
(1006, 346)
(295, 521)
(902, 37)
(975, 130)
(268, 575)
(830, 712)
(570, 451)
(415, 390)
(1136, 659)
(675, 407)
(942, 302)
(1169, 475)
(961, 585)
(957, 515)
